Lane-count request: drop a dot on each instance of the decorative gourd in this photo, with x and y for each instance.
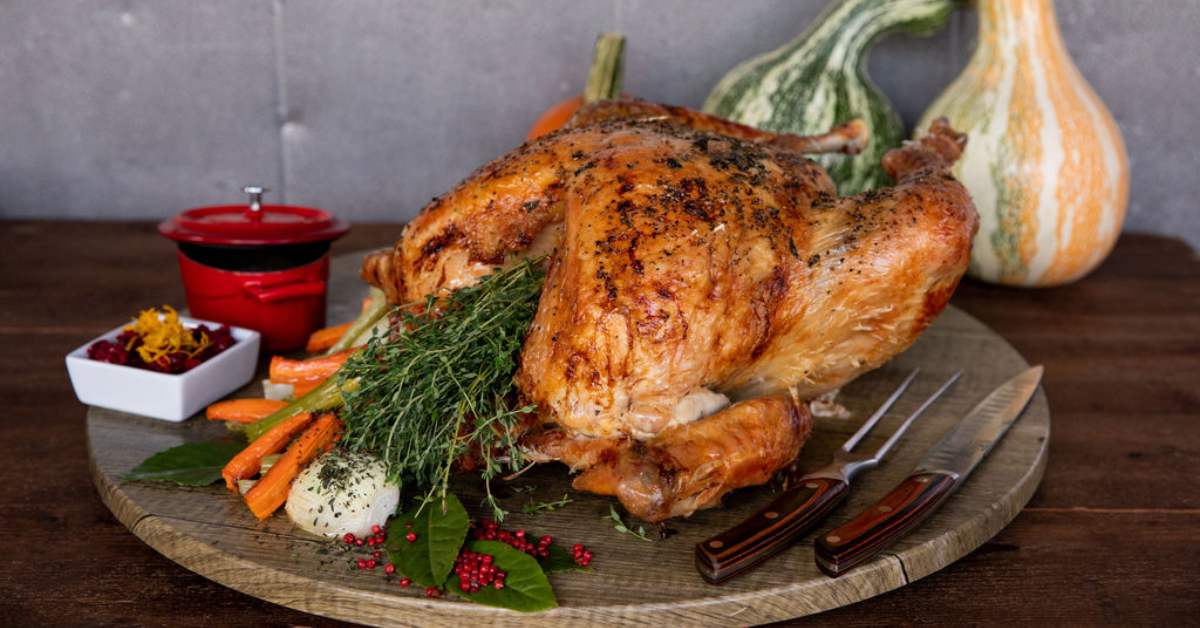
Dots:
(819, 80)
(1045, 163)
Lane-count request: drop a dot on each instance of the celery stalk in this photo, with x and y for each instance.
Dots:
(327, 396)
(363, 324)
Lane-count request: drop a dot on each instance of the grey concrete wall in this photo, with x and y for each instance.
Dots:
(139, 108)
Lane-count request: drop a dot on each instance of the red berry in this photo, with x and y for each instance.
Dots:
(404, 582)
(362, 563)
(432, 592)
(410, 537)
(577, 548)
(359, 542)
(377, 554)
(375, 529)
(389, 569)
(348, 538)
(371, 564)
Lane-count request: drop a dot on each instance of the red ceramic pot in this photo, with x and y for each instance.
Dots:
(264, 267)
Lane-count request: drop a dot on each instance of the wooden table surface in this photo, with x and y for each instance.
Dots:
(1111, 537)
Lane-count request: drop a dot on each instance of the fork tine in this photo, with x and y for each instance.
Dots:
(883, 408)
(891, 441)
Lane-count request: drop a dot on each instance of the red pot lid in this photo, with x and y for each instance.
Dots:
(253, 224)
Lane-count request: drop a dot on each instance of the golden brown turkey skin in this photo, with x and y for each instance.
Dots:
(512, 207)
(689, 466)
(694, 262)
(691, 263)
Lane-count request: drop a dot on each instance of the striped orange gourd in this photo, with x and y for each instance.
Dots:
(1045, 162)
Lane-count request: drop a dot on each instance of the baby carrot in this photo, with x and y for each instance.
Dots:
(323, 339)
(243, 410)
(249, 460)
(287, 371)
(271, 491)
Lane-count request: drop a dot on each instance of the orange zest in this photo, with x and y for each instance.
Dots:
(271, 491)
(162, 334)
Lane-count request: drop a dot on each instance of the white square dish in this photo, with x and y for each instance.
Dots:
(161, 395)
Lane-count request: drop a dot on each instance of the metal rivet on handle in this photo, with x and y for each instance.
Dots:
(716, 544)
(885, 509)
(833, 539)
(812, 485)
(770, 514)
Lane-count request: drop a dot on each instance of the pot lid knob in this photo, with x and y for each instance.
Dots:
(256, 193)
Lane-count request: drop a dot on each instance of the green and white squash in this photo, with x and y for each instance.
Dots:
(819, 80)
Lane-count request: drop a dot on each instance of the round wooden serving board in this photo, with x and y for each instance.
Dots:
(632, 582)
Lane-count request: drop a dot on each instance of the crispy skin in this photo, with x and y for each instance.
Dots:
(693, 257)
(513, 206)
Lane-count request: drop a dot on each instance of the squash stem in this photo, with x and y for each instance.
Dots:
(608, 65)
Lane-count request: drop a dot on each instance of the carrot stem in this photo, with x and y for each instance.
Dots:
(243, 410)
(271, 491)
(249, 460)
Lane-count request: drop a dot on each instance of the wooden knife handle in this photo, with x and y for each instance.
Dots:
(877, 527)
(788, 517)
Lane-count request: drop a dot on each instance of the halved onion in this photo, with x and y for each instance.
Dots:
(342, 492)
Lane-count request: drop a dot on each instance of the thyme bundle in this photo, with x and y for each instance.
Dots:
(444, 388)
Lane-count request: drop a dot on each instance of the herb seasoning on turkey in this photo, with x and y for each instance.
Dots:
(693, 303)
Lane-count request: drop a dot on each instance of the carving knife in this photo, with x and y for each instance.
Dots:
(944, 468)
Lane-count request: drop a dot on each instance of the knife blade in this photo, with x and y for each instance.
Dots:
(942, 470)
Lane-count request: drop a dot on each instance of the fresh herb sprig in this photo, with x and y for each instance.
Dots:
(620, 526)
(443, 388)
(532, 508)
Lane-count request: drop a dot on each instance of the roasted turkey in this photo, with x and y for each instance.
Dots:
(704, 281)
